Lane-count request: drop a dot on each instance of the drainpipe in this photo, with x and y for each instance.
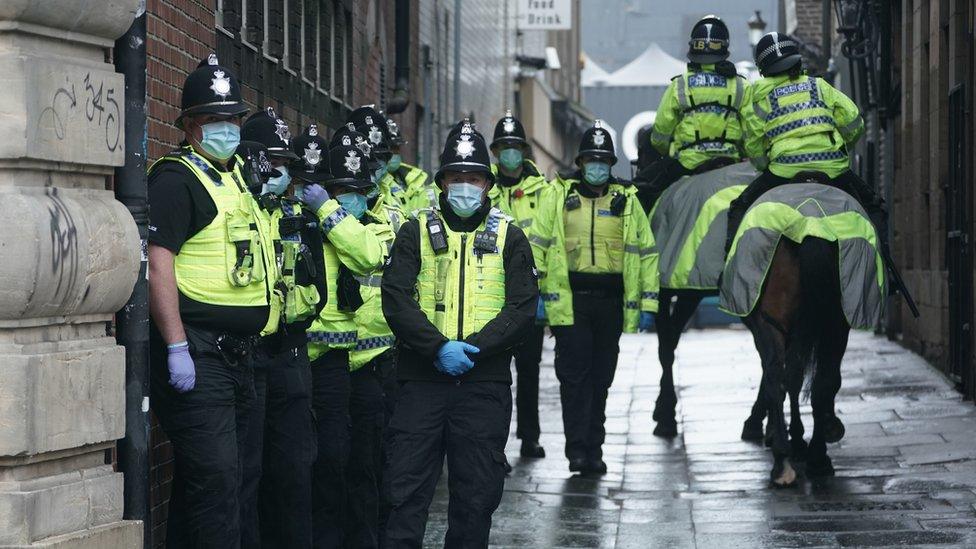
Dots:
(428, 145)
(457, 59)
(132, 322)
(401, 93)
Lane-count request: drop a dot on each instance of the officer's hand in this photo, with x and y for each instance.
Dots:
(646, 321)
(314, 196)
(182, 374)
(540, 312)
(452, 358)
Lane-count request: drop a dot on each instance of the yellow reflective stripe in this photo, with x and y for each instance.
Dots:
(689, 250)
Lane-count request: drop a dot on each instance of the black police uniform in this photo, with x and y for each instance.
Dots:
(465, 418)
(207, 424)
(277, 488)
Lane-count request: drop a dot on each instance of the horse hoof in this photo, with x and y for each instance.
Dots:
(666, 429)
(786, 477)
(820, 468)
(752, 432)
(833, 429)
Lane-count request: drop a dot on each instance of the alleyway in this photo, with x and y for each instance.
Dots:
(906, 471)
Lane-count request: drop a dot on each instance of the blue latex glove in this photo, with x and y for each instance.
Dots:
(314, 195)
(182, 374)
(452, 358)
(540, 312)
(645, 322)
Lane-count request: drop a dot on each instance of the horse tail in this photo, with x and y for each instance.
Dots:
(820, 303)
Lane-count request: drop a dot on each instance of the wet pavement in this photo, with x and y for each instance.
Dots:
(906, 470)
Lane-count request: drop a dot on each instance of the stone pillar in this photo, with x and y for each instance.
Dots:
(69, 256)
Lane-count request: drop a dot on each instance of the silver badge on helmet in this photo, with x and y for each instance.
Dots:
(313, 155)
(353, 162)
(598, 139)
(212, 59)
(264, 163)
(363, 146)
(464, 147)
(368, 119)
(508, 126)
(375, 135)
(282, 131)
(220, 84)
(346, 140)
(313, 130)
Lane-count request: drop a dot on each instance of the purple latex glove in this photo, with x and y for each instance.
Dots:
(182, 374)
(314, 196)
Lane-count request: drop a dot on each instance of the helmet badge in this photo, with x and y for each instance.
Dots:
(346, 140)
(375, 135)
(313, 155)
(281, 130)
(598, 138)
(368, 119)
(212, 59)
(220, 84)
(363, 146)
(352, 162)
(509, 126)
(313, 130)
(464, 147)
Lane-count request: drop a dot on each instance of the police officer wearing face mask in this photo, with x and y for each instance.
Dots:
(460, 294)
(519, 193)
(333, 183)
(212, 294)
(277, 492)
(601, 280)
(698, 121)
(421, 191)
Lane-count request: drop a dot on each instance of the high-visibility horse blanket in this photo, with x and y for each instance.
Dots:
(689, 223)
(796, 211)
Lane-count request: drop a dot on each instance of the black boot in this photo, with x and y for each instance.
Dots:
(532, 449)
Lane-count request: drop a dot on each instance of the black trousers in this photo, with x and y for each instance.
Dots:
(277, 487)
(528, 355)
(586, 360)
(330, 402)
(207, 427)
(468, 423)
(848, 182)
(367, 409)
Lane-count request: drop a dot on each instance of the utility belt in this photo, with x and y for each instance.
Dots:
(235, 350)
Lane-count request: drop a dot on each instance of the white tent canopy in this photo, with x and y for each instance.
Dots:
(592, 74)
(654, 67)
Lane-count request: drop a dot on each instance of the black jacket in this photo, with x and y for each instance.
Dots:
(419, 340)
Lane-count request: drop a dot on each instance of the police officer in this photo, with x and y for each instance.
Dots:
(797, 123)
(212, 293)
(519, 195)
(601, 280)
(350, 250)
(698, 121)
(421, 191)
(282, 375)
(459, 294)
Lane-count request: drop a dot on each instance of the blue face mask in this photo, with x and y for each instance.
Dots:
(379, 173)
(510, 159)
(394, 163)
(278, 185)
(353, 203)
(464, 198)
(220, 139)
(596, 173)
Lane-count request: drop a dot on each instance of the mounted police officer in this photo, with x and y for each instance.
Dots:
(698, 121)
(333, 187)
(279, 514)
(460, 293)
(518, 193)
(796, 123)
(212, 295)
(600, 281)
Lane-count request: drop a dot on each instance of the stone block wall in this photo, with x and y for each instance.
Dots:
(71, 255)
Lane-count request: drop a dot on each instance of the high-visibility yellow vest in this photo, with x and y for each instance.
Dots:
(595, 234)
(231, 261)
(373, 334)
(300, 300)
(463, 288)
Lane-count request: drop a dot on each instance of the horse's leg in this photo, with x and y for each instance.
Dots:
(684, 308)
(827, 427)
(772, 345)
(665, 354)
(752, 429)
(794, 383)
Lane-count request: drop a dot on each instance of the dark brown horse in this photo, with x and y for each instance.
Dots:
(801, 333)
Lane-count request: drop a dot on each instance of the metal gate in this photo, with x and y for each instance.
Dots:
(959, 260)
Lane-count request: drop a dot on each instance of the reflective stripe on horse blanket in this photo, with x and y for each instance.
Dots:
(689, 223)
(796, 211)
